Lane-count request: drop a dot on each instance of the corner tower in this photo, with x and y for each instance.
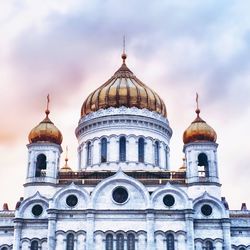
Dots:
(200, 150)
(128, 117)
(44, 150)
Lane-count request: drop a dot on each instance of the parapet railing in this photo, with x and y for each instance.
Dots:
(146, 177)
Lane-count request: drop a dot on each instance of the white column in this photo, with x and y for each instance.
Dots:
(90, 230)
(150, 231)
(162, 155)
(167, 158)
(226, 234)
(79, 158)
(84, 156)
(132, 149)
(113, 149)
(96, 155)
(51, 231)
(17, 235)
(190, 231)
(149, 151)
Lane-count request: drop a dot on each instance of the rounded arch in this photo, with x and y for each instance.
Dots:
(41, 164)
(33, 200)
(218, 208)
(83, 195)
(120, 178)
(182, 199)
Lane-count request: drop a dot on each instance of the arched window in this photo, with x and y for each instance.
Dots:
(203, 165)
(89, 153)
(170, 242)
(141, 143)
(166, 157)
(242, 248)
(120, 242)
(122, 148)
(70, 242)
(209, 245)
(41, 164)
(34, 245)
(4, 248)
(104, 150)
(157, 153)
(131, 241)
(109, 242)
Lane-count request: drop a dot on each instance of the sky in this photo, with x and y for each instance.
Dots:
(69, 48)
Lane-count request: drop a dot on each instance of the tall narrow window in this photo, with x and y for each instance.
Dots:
(109, 242)
(131, 241)
(157, 153)
(34, 245)
(170, 242)
(203, 165)
(41, 164)
(89, 153)
(209, 245)
(104, 150)
(70, 242)
(141, 150)
(166, 157)
(122, 148)
(120, 242)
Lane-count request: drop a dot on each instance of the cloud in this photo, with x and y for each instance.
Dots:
(68, 48)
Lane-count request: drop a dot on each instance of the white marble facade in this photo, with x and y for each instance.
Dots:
(122, 211)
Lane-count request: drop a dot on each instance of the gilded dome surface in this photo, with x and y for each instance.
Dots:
(45, 131)
(199, 130)
(123, 89)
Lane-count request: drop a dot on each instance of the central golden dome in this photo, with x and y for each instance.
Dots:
(123, 89)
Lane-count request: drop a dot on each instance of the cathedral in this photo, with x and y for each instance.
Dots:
(123, 195)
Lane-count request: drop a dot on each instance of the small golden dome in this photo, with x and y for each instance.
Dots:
(46, 131)
(123, 89)
(198, 131)
(66, 168)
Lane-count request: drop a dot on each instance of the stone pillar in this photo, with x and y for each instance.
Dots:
(190, 230)
(162, 155)
(17, 235)
(96, 155)
(79, 158)
(226, 234)
(167, 158)
(150, 230)
(132, 149)
(51, 231)
(90, 230)
(114, 147)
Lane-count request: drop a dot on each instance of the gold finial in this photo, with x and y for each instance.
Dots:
(47, 107)
(66, 157)
(124, 56)
(197, 111)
